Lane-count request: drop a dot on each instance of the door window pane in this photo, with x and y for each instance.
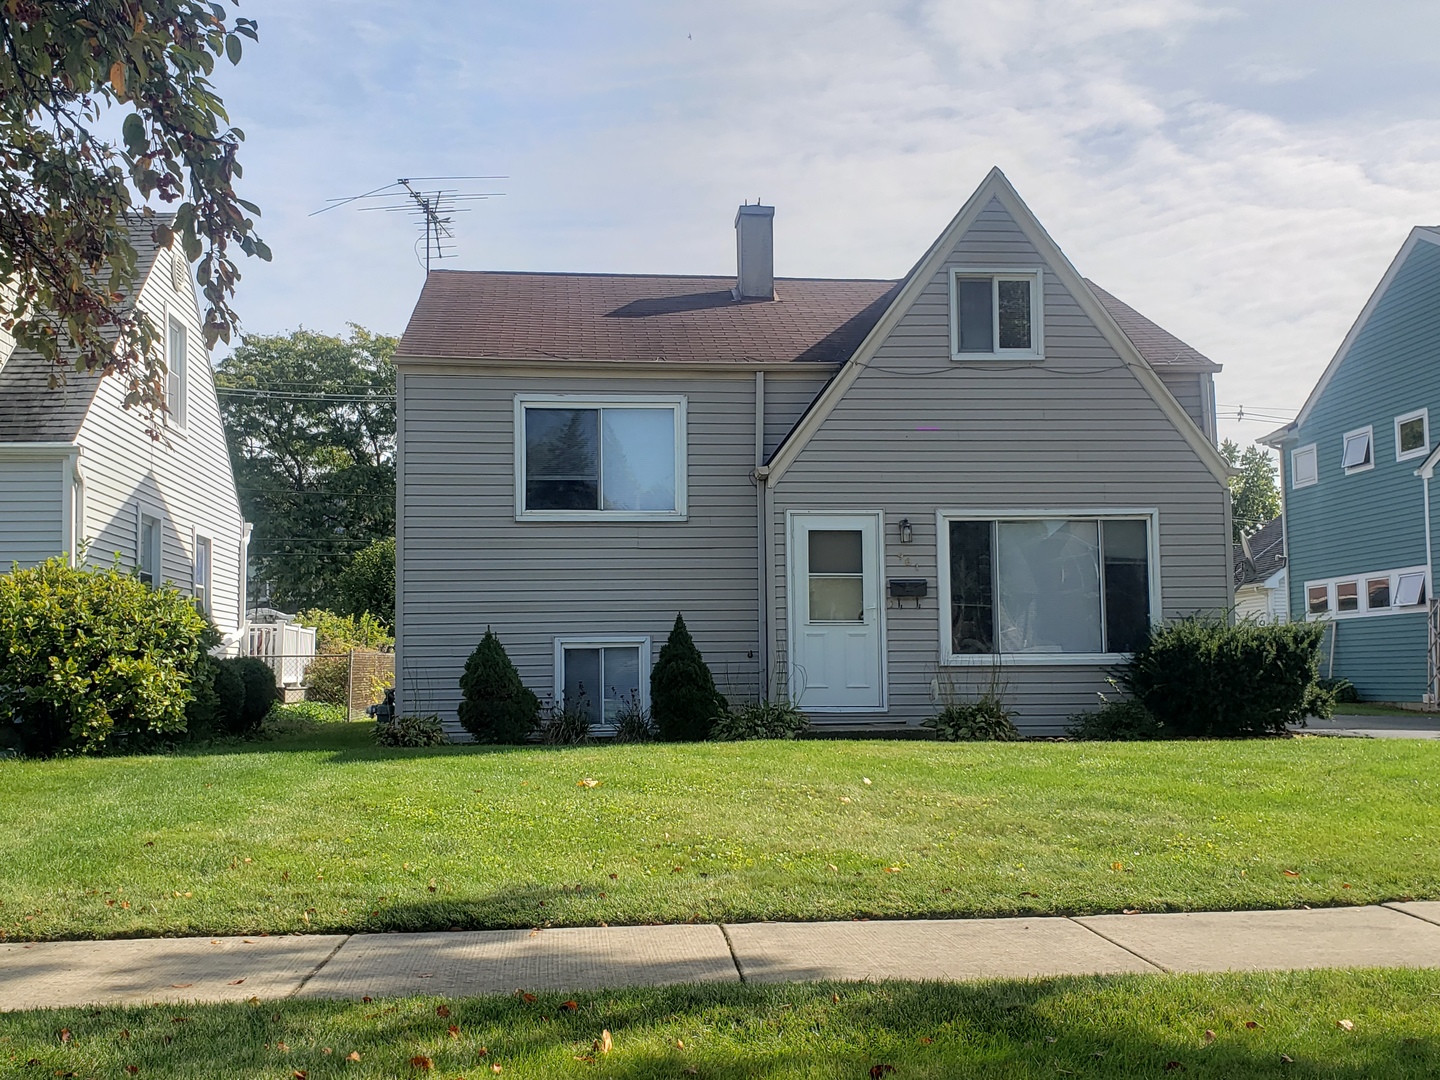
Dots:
(1318, 597)
(638, 471)
(1127, 585)
(1378, 593)
(1049, 586)
(562, 459)
(974, 306)
(837, 599)
(972, 588)
(834, 551)
(583, 687)
(1347, 596)
(1014, 314)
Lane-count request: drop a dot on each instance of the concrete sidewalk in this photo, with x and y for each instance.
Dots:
(458, 963)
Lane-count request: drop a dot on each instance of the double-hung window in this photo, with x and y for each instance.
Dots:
(996, 314)
(1412, 435)
(601, 677)
(1044, 588)
(177, 362)
(600, 458)
(1359, 450)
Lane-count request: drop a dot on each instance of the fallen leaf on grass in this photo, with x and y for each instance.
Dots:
(367, 999)
(892, 869)
(587, 783)
(299, 1074)
(605, 1044)
(421, 1062)
(679, 1044)
(64, 1035)
(1291, 873)
(570, 1006)
(925, 1040)
(1171, 1066)
(844, 798)
(282, 1047)
(1132, 911)
(442, 1011)
(132, 1069)
(353, 1055)
(1348, 1025)
(525, 997)
(865, 780)
(495, 1068)
(454, 1032)
(1209, 1035)
(877, 1071)
(1287, 1059)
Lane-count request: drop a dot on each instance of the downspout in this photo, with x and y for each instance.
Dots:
(1432, 669)
(761, 532)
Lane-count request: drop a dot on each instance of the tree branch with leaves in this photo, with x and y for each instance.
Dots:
(70, 198)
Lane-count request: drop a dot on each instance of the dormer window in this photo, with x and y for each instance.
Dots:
(1359, 453)
(995, 315)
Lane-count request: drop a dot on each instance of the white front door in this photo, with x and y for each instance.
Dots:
(836, 640)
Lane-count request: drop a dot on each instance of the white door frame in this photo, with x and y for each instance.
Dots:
(792, 617)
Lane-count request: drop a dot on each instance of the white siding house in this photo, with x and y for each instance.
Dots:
(80, 474)
(865, 495)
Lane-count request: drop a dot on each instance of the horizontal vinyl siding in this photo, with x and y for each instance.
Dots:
(1186, 388)
(1373, 520)
(467, 564)
(1077, 430)
(787, 397)
(31, 512)
(184, 479)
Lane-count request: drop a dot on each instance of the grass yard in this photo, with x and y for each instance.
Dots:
(1148, 1025)
(324, 832)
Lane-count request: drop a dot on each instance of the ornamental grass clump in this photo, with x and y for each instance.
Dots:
(684, 703)
(761, 720)
(496, 707)
(89, 658)
(984, 720)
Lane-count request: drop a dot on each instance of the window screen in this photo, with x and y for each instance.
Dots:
(974, 304)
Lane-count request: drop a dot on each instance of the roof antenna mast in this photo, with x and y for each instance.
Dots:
(432, 209)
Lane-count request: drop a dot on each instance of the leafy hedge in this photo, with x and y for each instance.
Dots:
(91, 657)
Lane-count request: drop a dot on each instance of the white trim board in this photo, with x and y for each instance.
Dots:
(995, 186)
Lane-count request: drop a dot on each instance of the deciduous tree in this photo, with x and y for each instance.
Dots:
(1254, 490)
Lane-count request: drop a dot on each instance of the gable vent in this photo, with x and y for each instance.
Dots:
(179, 272)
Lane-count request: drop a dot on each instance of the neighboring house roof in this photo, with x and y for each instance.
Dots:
(638, 318)
(646, 318)
(31, 410)
(1267, 554)
(1160, 348)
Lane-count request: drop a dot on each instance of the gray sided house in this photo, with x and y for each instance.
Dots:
(1356, 468)
(79, 473)
(868, 496)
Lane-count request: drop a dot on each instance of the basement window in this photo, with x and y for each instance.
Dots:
(599, 677)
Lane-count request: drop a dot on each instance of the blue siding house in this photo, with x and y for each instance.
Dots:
(1356, 466)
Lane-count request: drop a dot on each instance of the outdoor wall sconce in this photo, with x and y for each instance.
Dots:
(907, 531)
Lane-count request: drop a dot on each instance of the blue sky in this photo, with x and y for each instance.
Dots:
(1240, 173)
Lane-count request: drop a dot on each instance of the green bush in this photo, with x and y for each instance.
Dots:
(496, 706)
(1119, 720)
(230, 690)
(684, 703)
(367, 585)
(1201, 677)
(1342, 691)
(90, 657)
(261, 692)
(760, 720)
(327, 679)
(567, 726)
(309, 712)
(409, 731)
(984, 720)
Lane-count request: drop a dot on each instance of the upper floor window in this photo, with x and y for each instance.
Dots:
(1412, 435)
(203, 564)
(995, 314)
(1304, 466)
(1359, 452)
(600, 458)
(177, 362)
(1385, 592)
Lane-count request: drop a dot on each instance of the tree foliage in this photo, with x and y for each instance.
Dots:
(69, 196)
(1254, 491)
(367, 585)
(310, 419)
(683, 700)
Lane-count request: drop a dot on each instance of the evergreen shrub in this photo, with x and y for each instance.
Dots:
(90, 657)
(496, 706)
(684, 703)
(1203, 678)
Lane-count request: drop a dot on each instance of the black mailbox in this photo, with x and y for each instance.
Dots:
(916, 587)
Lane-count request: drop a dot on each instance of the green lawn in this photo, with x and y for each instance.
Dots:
(323, 832)
(1361, 708)
(1148, 1025)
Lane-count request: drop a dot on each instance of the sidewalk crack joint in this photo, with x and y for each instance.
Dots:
(725, 932)
(1106, 937)
(328, 957)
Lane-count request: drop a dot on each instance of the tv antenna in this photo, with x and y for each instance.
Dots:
(433, 209)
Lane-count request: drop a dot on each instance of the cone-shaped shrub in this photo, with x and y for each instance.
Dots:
(497, 707)
(683, 700)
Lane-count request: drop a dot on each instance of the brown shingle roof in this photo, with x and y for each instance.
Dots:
(1267, 548)
(33, 411)
(1159, 347)
(641, 318)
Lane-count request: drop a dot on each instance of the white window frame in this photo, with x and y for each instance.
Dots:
(1368, 431)
(1362, 580)
(1035, 275)
(1150, 515)
(178, 403)
(1422, 415)
(1311, 449)
(145, 519)
(208, 605)
(602, 641)
(677, 402)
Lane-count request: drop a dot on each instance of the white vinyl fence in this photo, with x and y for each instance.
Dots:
(274, 637)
